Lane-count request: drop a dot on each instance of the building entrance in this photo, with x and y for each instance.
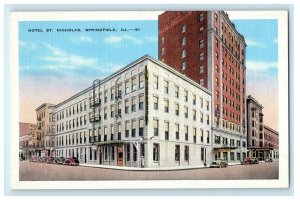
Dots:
(120, 156)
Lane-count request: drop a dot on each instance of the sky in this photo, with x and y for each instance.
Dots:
(56, 65)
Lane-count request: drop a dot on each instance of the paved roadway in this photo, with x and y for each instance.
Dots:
(49, 172)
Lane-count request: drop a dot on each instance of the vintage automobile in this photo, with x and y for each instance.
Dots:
(50, 160)
(219, 163)
(34, 159)
(254, 160)
(72, 161)
(60, 160)
(41, 160)
(269, 159)
(246, 161)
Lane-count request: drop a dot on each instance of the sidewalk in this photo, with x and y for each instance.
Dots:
(150, 169)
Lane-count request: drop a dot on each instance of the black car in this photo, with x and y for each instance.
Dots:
(254, 160)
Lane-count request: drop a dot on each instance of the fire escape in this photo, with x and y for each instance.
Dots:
(95, 104)
(118, 113)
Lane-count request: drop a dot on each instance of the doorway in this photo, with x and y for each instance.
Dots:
(120, 156)
(100, 156)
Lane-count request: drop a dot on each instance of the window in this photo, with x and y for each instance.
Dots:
(177, 152)
(155, 126)
(128, 152)
(201, 29)
(207, 138)
(155, 103)
(166, 87)
(134, 84)
(133, 106)
(194, 99)
(177, 131)
(201, 137)
(162, 51)
(183, 54)
(141, 127)
(185, 96)
(186, 112)
(105, 113)
(186, 133)
(207, 105)
(231, 155)
(127, 107)
(186, 153)
(105, 97)
(176, 91)
(155, 82)
(217, 55)
(177, 109)
(194, 115)
(183, 41)
(194, 135)
(202, 154)
(201, 17)
(201, 117)
(141, 102)
(201, 69)
(166, 106)
(166, 127)
(105, 133)
(105, 153)
(112, 111)
(201, 56)
(163, 40)
(201, 44)
(141, 81)
(127, 87)
(202, 82)
(134, 153)
(134, 127)
(127, 128)
(217, 139)
(183, 28)
(155, 152)
(112, 94)
(207, 119)
(183, 66)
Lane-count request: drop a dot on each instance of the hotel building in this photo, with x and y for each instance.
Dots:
(206, 47)
(144, 115)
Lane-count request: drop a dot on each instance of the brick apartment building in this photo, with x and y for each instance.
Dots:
(271, 140)
(206, 47)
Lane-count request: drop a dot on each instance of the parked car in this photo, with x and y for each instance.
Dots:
(246, 161)
(254, 160)
(34, 159)
(269, 159)
(71, 161)
(219, 163)
(42, 160)
(21, 158)
(50, 160)
(60, 160)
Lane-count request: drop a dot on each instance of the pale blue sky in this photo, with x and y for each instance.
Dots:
(54, 61)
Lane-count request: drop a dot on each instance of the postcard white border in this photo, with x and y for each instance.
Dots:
(282, 182)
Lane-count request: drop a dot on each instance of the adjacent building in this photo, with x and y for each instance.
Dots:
(144, 115)
(262, 140)
(206, 47)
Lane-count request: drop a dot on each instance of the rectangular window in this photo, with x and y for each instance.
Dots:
(231, 155)
(194, 115)
(176, 91)
(177, 109)
(127, 128)
(105, 153)
(162, 51)
(201, 44)
(155, 126)
(201, 17)
(155, 152)
(155, 82)
(201, 117)
(183, 54)
(186, 112)
(185, 96)
(186, 133)
(194, 99)
(127, 87)
(207, 137)
(201, 29)
(201, 56)
(183, 41)
(155, 103)
(201, 69)
(134, 84)
(177, 131)
(207, 105)
(141, 81)
(166, 127)
(166, 87)
(134, 127)
(183, 67)
(126, 107)
(177, 152)
(133, 105)
(113, 153)
(194, 135)
(134, 153)
(202, 154)
(166, 106)
(141, 127)
(183, 28)
(207, 119)
(201, 137)
(186, 153)
(141, 102)
(201, 82)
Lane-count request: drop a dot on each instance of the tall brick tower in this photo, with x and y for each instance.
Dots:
(205, 46)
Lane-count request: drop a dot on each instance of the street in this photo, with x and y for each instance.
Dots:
(30, 171)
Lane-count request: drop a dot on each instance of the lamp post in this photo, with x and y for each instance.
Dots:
(205, 156)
